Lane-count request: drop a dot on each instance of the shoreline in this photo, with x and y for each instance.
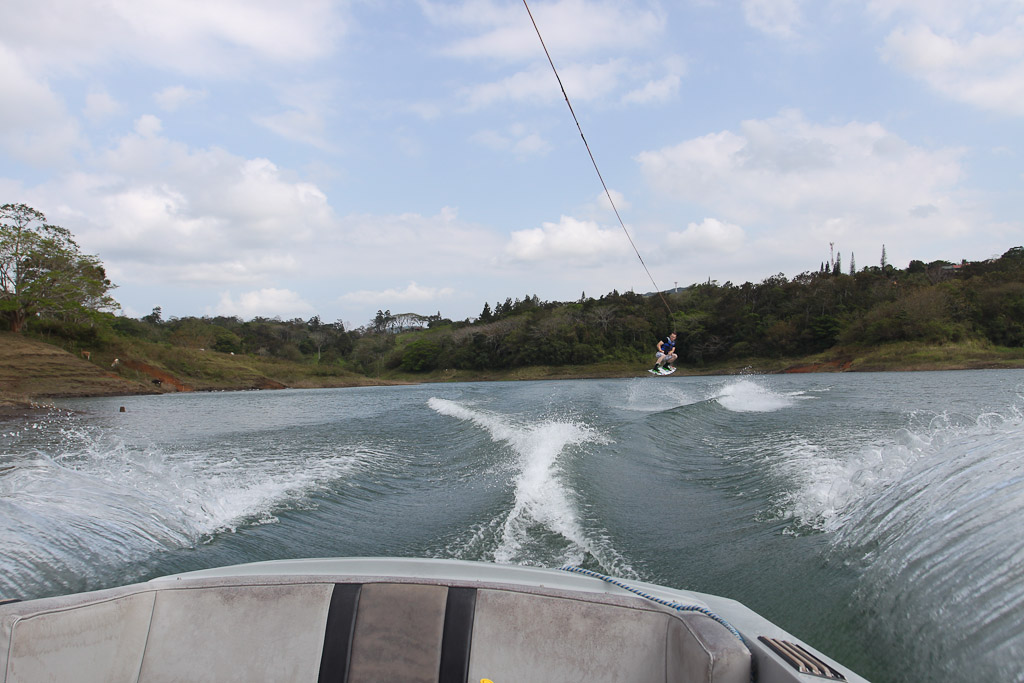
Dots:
(33, 373)
(28, 404)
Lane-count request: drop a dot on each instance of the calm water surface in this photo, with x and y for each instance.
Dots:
(875, 515)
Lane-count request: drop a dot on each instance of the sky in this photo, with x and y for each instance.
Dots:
(335, 158)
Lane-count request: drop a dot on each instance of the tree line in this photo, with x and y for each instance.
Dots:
(933, 303)
(44, 275)
(49, 288)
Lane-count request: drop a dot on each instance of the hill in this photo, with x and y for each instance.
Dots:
(32, 370)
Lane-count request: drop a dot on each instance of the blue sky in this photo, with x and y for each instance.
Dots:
(263, 158)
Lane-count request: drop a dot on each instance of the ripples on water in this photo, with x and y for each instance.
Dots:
(880, 510)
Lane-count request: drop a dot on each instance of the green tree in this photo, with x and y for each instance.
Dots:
(154, 318)
(485, 315)
(42, 271)
(421, 355)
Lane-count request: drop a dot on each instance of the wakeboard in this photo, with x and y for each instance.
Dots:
(662, 371)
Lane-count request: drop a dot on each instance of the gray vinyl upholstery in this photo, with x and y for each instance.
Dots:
(535, 638)
(274, 630)
(100, 641)
(235, 633)
(402, 622)
(522, 637)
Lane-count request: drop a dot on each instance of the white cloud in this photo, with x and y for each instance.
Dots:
(621, 203)
(569, 239)
(946, 15)
(428, 111)
(431, 243)
(267, 303)
(148, 125)
(304, 119)
(410, 294)
(215, 37)
(582, 33)
(654, 91)
(576, 27)
(778, 18)
(158, 211)
(983, 70)
(970, 52)
(790, 182)
(657, 88)
(708, 235)
(535, 86)
(100, 105)
(174, 97)
(583, 82)
(34, 124)
(306, 127)
(516, 139)
(787, 162)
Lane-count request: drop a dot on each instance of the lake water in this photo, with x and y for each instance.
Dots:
(877, 516)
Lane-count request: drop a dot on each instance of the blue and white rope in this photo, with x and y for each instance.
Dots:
(667, 603)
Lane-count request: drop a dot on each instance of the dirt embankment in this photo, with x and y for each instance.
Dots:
(158, 376)
(32, 370)
(825, 366)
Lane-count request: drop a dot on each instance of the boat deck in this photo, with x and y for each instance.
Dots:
(356, 622)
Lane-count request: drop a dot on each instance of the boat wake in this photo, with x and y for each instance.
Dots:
(925, 514)
(543, 525)
(72, 510)
(748, 396)
(940, 540)
(645, 396)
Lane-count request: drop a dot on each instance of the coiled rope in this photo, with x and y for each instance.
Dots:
(594, 161)
(667, 603)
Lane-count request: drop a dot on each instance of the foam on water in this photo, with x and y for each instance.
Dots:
(648, 395)
(748, 396)
(68, 514)
(543, 525)
(930, 513)
(941, 540)
(828, 480)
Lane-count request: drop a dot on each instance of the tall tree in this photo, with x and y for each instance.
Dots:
(43, 272)
(485, 315)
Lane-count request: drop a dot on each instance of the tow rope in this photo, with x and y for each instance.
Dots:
(667, 603)
(594, 161)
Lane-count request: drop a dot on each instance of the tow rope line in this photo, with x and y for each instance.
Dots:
(667, 603)
(594, 161)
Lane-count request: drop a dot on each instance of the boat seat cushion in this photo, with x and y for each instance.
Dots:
(307, 631)
(398, 633)
(95, 641)
(237, 633)
(537, 638)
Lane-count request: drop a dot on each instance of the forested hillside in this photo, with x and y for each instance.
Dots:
(935, 303)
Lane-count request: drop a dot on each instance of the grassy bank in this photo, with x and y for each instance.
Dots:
(892, 357)
(32, 370)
